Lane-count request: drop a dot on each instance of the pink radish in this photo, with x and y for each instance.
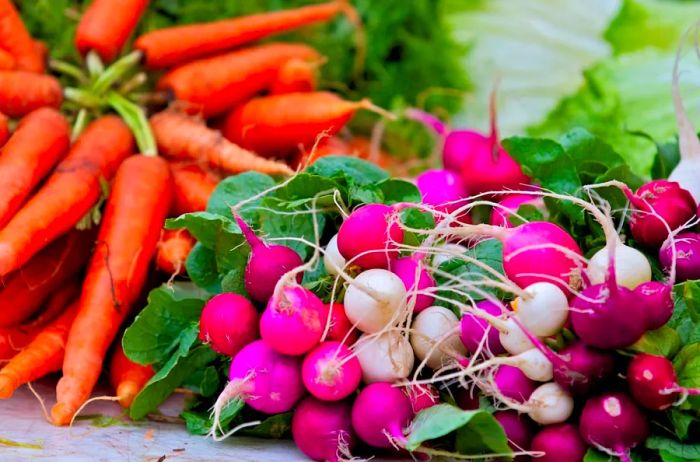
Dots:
(331, 372)
(228, 323)
(658, 302)
(467, 400)
(266, 264)
(513, 384)
(518, 428)
(653, 382)
(415, 277)
(559, 443)
(687, 249)
(474, 328)
(380, 414)
(422, 397)
(441, 189)
(509, 205)
(368, 239)
(323, 430)
(459, 146)
(341, 329)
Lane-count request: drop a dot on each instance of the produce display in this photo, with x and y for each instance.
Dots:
(199, 209)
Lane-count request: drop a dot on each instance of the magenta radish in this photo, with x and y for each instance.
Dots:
(266, 264)
(331, 372)
(459, 146)
(333, 261)
(653, 382)
(503, 171)
(441, 189)
(518, 429)
(380, 414)
(422, 397)
(513, 384)
(543, 309)
(269, 381)
(429, 120)
(293, 321)
(373, 299)
(435, 336)
(687, 249)
(228, 323)
(550, 404)
(613, 423)
(386, 357)
(322, 430)
(559, 443)
(631, 266)
(474, 328)
(658, 302)
(341, 329)
(465, 399)
(508, 206)
(415, 277)
(658, 204)
(368, 239)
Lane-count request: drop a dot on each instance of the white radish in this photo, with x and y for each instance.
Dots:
(435, 334)
(543, 310)
(550, 404)
(513, 339)
(631, 266)
(332, 259)
(533, 364)
(447, 252)
(384, 358)
(373, 298)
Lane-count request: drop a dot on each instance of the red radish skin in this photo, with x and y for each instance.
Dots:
(442, 189)
(322, 430)
(653, 382)
(269, 382)
(458, 146)
(518, 428)
(687, 247)
(422, 397)
(266, 264)
(341, 329)
(509, 205)
(378, 243)
(228, 323)
(658, 301)
(406, 268)
(466, 400)
(614, 423)
(473, 329)
(513, 384)
(381, 411)
(559, 443)
(503, 172)
(293, 321)
(331, 372)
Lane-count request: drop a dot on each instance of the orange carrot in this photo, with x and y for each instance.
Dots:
(42, 49)
(38, 143)
(15, 38)
(68, 194)
(173, 249)
(193, 186)
(127, 377)
(40, 357)
(106, 25)
(22, 92)
(180, 44)
(214, 85)
(296, 75)
(277, 124)
(7, 61)
(134, 216)
(4, 129)
(27, 289)
(57, 303)
(183, 137)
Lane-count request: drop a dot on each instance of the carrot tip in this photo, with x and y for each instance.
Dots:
(61, 414)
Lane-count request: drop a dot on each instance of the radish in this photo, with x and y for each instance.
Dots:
(660, 206)
(513, 384)
(267, 381)
(331, 372)
(441, 189)
(435, 336)
(380, 414)
(384, 358)
(508, 206)
(474, 328)
(466, 400)
(631, 266)
(513, 338)
(458, 147)
(559, 443)
(613, 423)
(653, 382)
(447, 252)
(533, 363)
(266, 264)
(415, 278)
(293, 321)
(687, 250)
(341, 329)
(228, 323)
(367, 239)
(422, 397)
(333, 261)
(543, 309)
(518, 429)
(550, 404)
(323, 430)
(373, 299)
(658, 301)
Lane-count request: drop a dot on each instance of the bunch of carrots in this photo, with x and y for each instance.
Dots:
(82, 204)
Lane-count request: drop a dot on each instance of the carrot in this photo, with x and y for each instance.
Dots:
(7, 61)
(14, 339)
(173, 249)
(68, 194)
(193, 186)
(326, 146)
(57, 303)
(42, 49)
(38, 143)
(40, 357)
(278, 124)
(180, 136)
(127, 377)
(106, 25)
(214, 85)
(28, 288)
(22, 92)
(4, 129)
(134, 216)
(296, 75)
(15, 38)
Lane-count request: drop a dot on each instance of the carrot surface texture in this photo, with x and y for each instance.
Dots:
(214, 85)
(127, 377)
(106, 25)
(134, 216)
(182, 137)
(4, 129)
(173, 249)
(180, 44)
(26, 290)
(296, 75)
(22, 92)
(7, 61)
(68, 194)
(38, 143)
(193, 187)
(43, 355)
(15, 38)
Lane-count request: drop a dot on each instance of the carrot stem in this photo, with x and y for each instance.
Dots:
(116, 71)
(136, 120)
(94, 64)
